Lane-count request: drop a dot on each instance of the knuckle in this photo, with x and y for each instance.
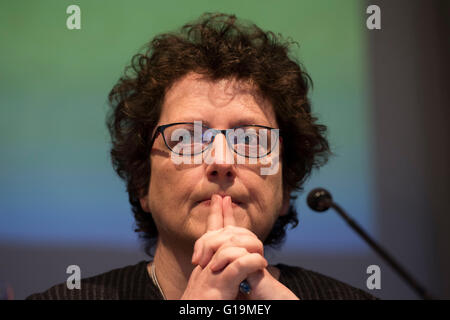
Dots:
(257, 258)
(219, 255)
(260, 245)
(208, 233)
(212, 294)
(223, 247)
(243, 251)
(234, 239)
(197, 243)
(263, 260)
(238, 264)
(231, 252)
(233, 271)
(208, 252)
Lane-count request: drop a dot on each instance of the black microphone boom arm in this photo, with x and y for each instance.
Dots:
(321, 200)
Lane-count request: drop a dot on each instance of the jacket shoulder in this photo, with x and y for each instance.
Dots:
(129, 282)
(311, 285)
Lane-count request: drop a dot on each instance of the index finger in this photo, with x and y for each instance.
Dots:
(214, 222)
(228, 217)
(215, 218)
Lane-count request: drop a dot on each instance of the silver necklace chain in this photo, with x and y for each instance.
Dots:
(244, 286)
(155, 279)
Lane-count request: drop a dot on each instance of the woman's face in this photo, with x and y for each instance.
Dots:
(178, 193)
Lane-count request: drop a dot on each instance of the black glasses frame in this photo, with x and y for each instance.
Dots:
(160, 130)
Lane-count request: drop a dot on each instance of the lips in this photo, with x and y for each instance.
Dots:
(206, 201)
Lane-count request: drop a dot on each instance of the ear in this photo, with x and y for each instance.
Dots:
(286, 204)
(144, 203)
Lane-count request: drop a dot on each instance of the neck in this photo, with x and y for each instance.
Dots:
(173, 268)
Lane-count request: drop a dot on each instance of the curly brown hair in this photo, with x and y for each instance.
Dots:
(218, 46)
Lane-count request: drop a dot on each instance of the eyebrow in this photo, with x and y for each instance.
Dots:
(249, 121)
(234, 123)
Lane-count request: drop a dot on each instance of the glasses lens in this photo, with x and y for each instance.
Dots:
(190, 139)
(252, 141)
(186, 139)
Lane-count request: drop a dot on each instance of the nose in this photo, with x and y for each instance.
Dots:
(221, 162)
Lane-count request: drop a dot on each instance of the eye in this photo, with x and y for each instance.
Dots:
(251, 139)
(248, 138)
(207, 136)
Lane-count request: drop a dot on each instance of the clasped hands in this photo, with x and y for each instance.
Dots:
(225, 256)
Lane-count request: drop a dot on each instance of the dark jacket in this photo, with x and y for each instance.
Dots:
(134, 283)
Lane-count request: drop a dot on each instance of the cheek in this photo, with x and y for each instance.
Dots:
(267, 195)
(164, 190)
(169, 190)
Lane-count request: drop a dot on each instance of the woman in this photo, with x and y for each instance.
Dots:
(212, 133)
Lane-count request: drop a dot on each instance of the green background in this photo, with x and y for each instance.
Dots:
(57, 184)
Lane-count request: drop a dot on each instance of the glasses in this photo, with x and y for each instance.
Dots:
(193, 138)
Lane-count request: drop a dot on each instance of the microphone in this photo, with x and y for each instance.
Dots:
(321, 200)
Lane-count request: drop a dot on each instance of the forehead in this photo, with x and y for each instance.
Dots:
(218, 103)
